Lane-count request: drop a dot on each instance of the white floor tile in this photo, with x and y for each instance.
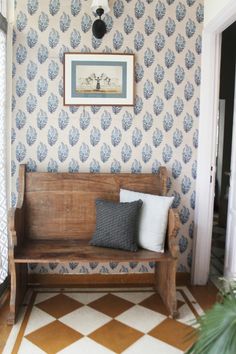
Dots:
(141, 318)
(150, 345)
(29, 348)
(85, 298)
(38, 318)
(85, 346)
(135, 297)
(43, 296)
(85, 320)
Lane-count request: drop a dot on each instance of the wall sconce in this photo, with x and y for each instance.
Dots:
(100, 7)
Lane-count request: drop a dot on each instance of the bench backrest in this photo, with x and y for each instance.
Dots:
(62, 205)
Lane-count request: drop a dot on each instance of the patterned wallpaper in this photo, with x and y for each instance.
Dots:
(161, 128)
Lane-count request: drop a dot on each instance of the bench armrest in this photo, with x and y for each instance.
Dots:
(172, 230)
(16, 226)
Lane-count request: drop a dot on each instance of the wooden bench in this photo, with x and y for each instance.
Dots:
(55, 219)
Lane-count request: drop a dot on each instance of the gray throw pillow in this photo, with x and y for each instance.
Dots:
(116, 225)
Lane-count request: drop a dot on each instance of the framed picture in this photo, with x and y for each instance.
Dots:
(98, 79)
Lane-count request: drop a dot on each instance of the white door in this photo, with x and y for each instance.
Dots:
(230, 250)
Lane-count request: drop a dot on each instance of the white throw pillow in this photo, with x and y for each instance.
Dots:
(153, 218)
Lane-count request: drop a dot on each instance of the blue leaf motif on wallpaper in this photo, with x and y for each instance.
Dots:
(128, 24)
(52, 136)
(157, 137)
(95, 109)
(31, 103)
(147, 121)
(180, 43)
(63, 152)
(197, 76)
(184, 215)
(13, 135)
(73, 166)
(95, 136)
(177, 138)
(138, 41)
(160, 10)
(94, 166)
(179, 74)
(188, 123)
(169, 90)
(116, 136)
(138, 72)
(13, 70)
(167, 153)
(200, 13)
(195, 139)
(84, 152)
(183, 244)
(196, 107)
(148, 89)
(13, 37)
(20, 119)
(149, 57)
(185, 185)
(158, 105)
(61, 88)
(138, 105)
(105, 152)
(53, 70)
(20, 152)
(20, 87)
(73, 109)
(115, 166)
(21, 21)
(42, 152)
(149, 25)
(194, 170)
(63, 120)
(52, 166)
(156, 166)
(118, 8)
(31, 166)
(139, 9)
(169, 58)
(170, 27)
(187, 154)
(53, 38)
(159, 42)
(21, 54)
(188, 91)
(65, 22)
(42, 86)
(42, 119)
(31, 71)
(52, 103)
(118, 40)
(13, 200)
(85, 49)
(32, 38)
(191, 229)
(116, 109)
(178, 106)
(42, 54)
(198, 45)
(108, 22)
(189, 59)
(126, 153)
(75, 7)
(168, 184)
(105, 120)
(176, 169)
(137, 137)
(54, 7)
(31, 136)
(192, 200)
(146, 153)
(73, 136)
(32, 6)
(127, 120)
(43, 21)
(180, 11)
(177, 200)
(75, 38)
(13, 103)
(159, 73)
(190, 2)
(190, 28)
(86, 23)
(136, 167)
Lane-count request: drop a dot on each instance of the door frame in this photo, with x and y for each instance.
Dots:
(209, 100)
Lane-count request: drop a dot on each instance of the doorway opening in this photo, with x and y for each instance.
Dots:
(223, 151)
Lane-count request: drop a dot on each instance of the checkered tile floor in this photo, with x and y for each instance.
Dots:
(103, 322)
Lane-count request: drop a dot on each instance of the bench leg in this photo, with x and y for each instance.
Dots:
(165, 284)
(19, 273)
